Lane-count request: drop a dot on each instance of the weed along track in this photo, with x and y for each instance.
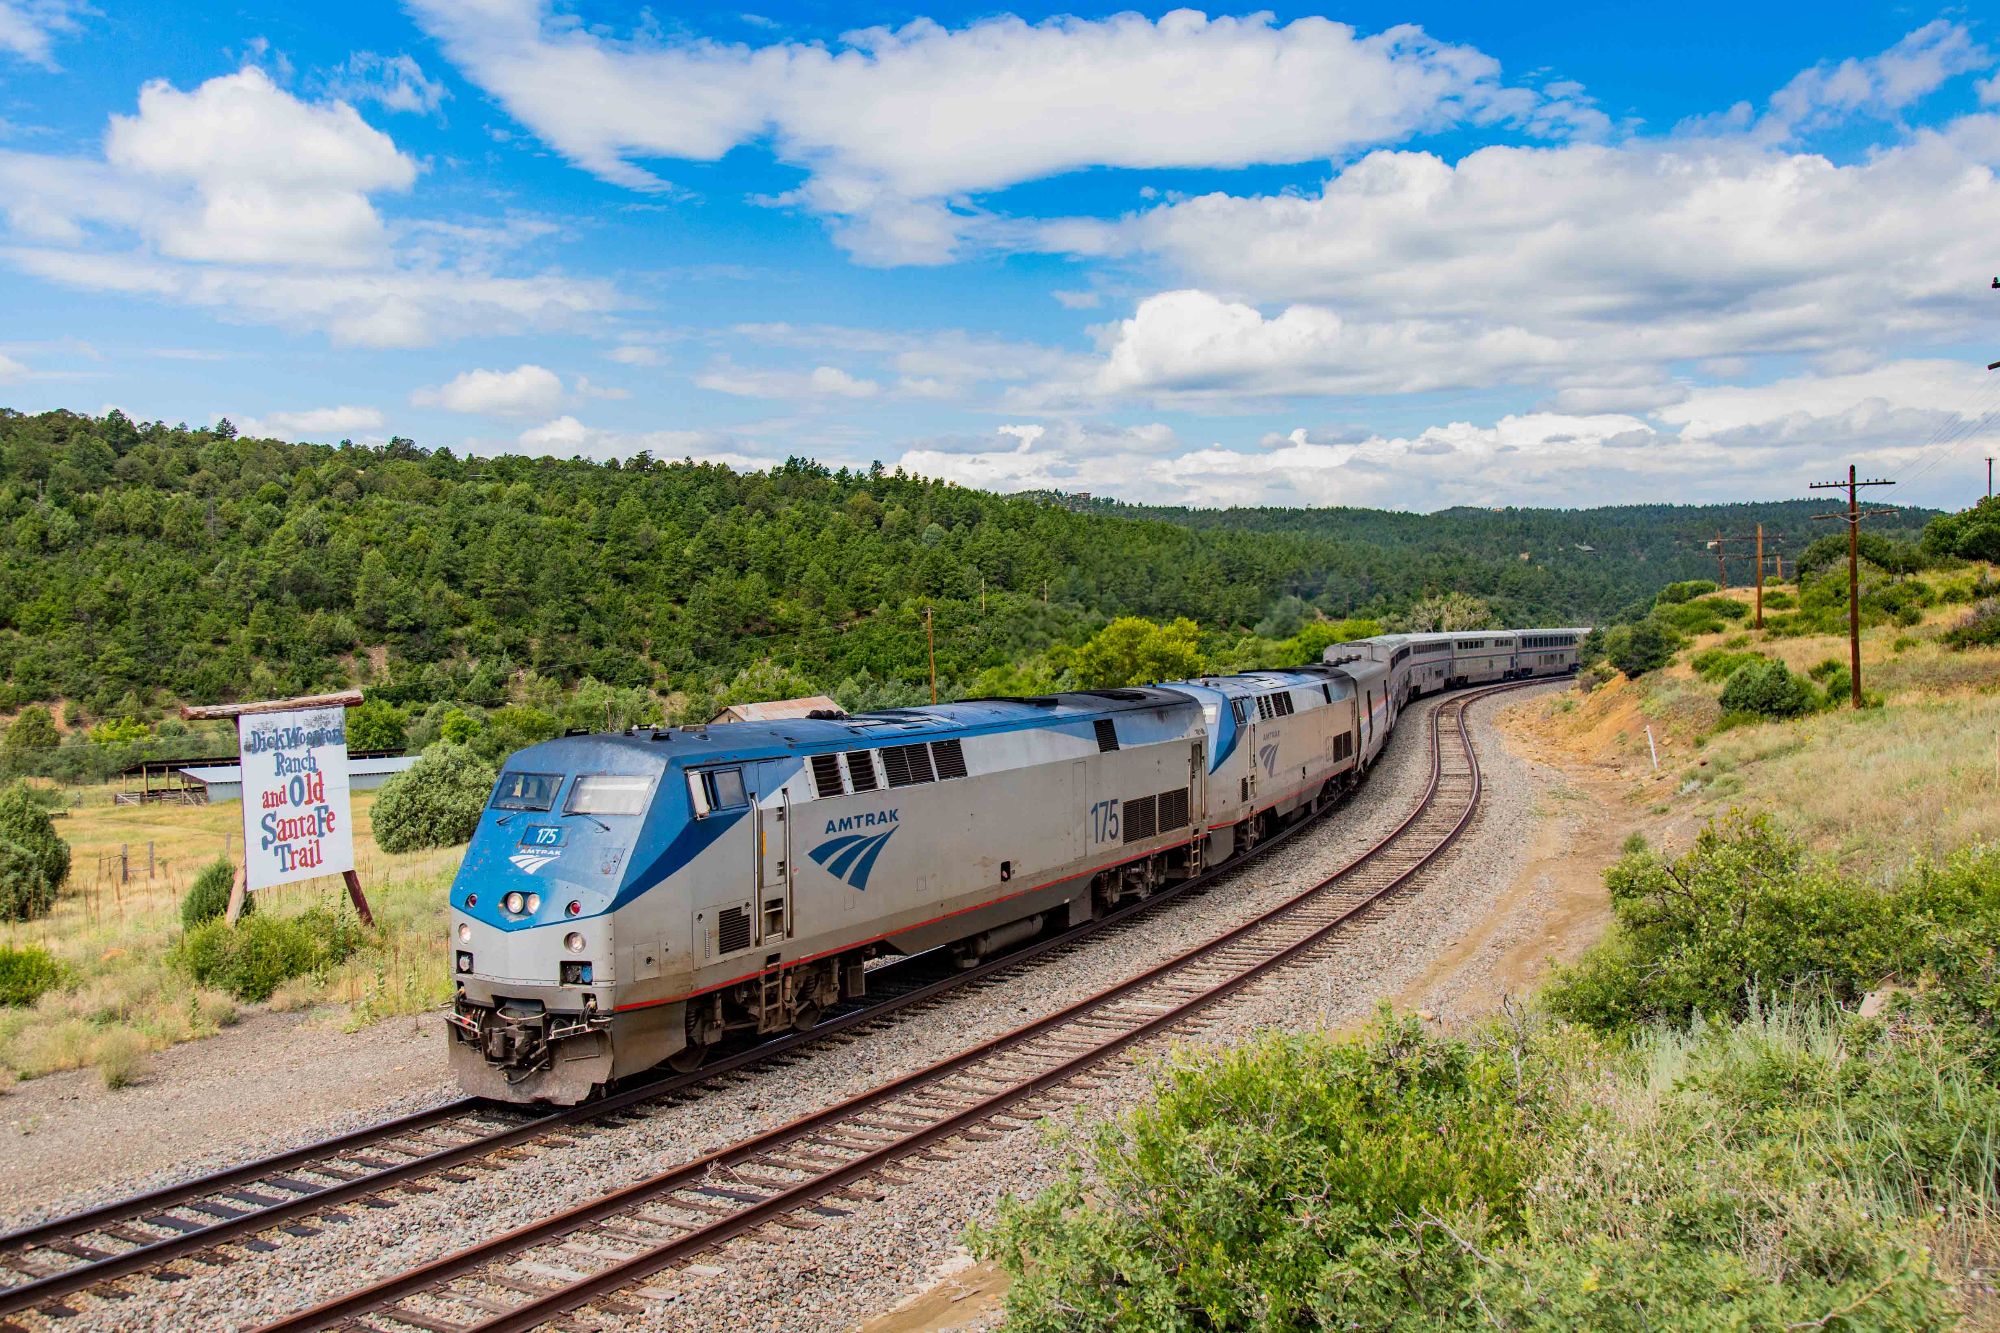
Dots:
(828, 1163)
(139, 1247)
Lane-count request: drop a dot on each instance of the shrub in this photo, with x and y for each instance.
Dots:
(1308, 1184)
(1779, 601)
(251, 959)
(1685, 591)
(1287, 1184)
(1768, 689)
(435, 802)
(1637, 649)
(34, 861)
(1720, 664)
(1977, 628)
(26, 973)
(121, 1057)
(1743, 910)
(208, 897)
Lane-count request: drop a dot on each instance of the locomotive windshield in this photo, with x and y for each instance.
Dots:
(609, 794)
(525, 791)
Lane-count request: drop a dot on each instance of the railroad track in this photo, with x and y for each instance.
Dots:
(827, 1163)
(297, 1192)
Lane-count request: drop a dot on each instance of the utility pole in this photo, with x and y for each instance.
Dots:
(1760, 576)
(1853, 516)
(930, 637)
(1989, 476)
(1721, 547)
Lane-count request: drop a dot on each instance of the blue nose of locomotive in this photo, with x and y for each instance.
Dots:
(561, 833)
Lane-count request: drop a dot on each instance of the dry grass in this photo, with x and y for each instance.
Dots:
(114, 932)
(1877, 789)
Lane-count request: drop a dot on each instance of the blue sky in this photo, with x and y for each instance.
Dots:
(1405, 255)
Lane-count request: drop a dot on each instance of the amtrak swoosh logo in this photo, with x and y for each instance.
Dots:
(531, 861)
(1269, 754)
(851, 857)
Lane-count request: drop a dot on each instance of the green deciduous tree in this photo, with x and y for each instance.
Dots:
(1134, 651)
(34, 860)
(435, 802)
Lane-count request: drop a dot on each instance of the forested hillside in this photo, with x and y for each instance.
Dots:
(146, 563)
(1591, 561)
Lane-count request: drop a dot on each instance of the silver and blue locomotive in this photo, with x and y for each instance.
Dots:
(634, 899)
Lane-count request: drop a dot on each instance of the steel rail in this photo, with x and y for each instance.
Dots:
(431, 1278)
(235, 1217)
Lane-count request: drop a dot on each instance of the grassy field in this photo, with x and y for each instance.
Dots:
(119, 918)
(1876, 789)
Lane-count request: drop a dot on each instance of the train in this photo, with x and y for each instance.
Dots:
(633, 900)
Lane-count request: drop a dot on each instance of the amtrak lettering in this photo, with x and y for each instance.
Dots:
(866, 819)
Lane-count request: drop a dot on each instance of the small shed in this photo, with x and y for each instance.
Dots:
(777, 709)
(224, 782)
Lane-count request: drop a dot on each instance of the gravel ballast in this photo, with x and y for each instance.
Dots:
(855, 1266)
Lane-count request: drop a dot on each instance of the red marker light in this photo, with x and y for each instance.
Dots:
(472, 900)
(575, 908)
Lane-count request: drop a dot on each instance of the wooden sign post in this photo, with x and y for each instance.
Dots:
(297, 819)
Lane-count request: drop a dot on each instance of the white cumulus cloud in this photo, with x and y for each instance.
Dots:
(567, 437)
(28, 28)
(1556, 265)
(523, 391)
(396, 83)
(240, 198)
(820, 382)
(894, 126)
(272, 179)
(313, 423)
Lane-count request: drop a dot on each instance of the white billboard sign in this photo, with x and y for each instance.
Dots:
(296, 821)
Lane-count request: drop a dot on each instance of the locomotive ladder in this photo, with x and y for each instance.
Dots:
(826, 1164)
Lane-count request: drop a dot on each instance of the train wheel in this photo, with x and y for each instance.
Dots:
(806, 1017)
(688, 1058)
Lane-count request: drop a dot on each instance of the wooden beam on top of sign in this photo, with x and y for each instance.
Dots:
(208, 712)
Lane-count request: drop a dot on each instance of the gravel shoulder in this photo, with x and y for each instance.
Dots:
(872, 1260)
(271, 1082)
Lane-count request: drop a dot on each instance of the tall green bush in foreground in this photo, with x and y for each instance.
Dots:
(435, 802)
(34, 860)
(1526, 1177)
(260, 953)
(1746, 911)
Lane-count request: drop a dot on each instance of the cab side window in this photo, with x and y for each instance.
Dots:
(714, 789)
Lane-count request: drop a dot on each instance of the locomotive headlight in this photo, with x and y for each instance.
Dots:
(465, 932)
(573, 941)
(534, 903)
(514, 902)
